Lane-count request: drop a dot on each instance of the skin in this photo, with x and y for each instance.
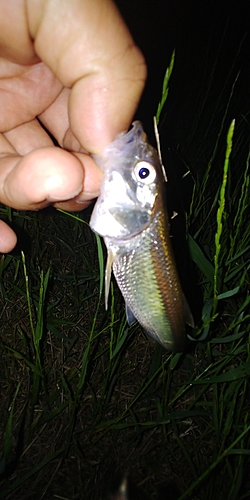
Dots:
(72, 64)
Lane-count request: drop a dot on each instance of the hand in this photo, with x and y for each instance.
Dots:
(72, 66)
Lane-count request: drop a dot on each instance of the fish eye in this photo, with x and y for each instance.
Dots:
(144, 172)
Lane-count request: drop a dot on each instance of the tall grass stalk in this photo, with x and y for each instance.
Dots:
(221, 213)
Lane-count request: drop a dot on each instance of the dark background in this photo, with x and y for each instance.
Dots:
(210, 83)
(204, 34)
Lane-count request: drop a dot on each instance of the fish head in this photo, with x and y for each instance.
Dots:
(132, 181)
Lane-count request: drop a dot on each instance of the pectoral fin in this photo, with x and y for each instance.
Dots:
(130, 317)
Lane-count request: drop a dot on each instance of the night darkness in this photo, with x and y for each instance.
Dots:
(212, 53)
(201, 32)
(212, 44)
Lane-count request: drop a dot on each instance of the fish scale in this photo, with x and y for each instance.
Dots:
(130, 214)
(145, 271)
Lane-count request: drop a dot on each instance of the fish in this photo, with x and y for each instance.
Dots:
(131, 215)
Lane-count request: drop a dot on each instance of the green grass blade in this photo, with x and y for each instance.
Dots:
(8, 434)
(221, 213)
(165, 88)
(210, 469)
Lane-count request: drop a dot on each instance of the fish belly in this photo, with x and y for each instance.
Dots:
(146, 275)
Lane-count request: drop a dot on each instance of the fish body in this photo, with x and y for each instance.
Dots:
(130, 214)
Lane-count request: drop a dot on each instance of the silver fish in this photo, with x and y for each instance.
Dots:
(130, 214)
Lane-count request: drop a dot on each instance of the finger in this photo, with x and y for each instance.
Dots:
(8, 238)
(26, 137)
(48, 175)
(25, 91)
(56, 119)
(107, 71)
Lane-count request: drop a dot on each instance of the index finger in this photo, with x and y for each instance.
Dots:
(90, 50)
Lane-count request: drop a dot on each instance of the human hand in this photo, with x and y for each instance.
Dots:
(73, 64)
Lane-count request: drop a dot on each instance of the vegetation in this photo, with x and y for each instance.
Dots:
(83, 397)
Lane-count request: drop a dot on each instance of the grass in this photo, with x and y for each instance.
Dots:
(84, 397)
